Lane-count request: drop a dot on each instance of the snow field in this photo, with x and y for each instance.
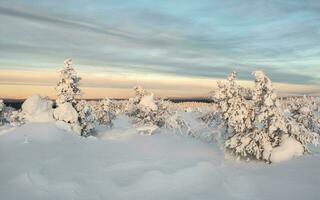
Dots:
(121, 164)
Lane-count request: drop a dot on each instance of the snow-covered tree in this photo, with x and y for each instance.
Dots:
(104, 112)
(85, 118)
(15, 117)
(305, 111)
(270, 126)
(10, 115)
(68, 86)
(148, 114)
(234, 111)
(76, 114)
(303, 119)
(269, 123)
(2, 108)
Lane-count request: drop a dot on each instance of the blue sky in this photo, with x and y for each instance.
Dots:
(195, 39)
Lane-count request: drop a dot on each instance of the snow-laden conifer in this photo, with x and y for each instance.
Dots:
(269, 126)
(75, 113)
(67, 88)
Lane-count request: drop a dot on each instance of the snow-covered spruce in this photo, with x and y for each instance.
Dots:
(70, 112)
(67, 88)
(269, 123)
(149, 114)
(104, 112)
(268, 136)
(234, 111)
(78, 119)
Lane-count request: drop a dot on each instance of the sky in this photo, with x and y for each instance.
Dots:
(172, 47)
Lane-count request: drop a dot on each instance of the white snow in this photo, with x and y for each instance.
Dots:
(66, 113)
(148, 101)
(37, 109)
(121, 164)
(288, 149)
(149, 130)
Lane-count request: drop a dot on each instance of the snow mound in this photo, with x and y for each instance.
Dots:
(66, 113)
(288, 149)
(149, 130)
(148, 101)
(37, 109)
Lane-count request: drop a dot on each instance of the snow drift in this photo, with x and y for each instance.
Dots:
(37, 109)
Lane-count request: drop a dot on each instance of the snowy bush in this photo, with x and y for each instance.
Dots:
(15, 117)
(148, 114)
(104, 112)
(2, 107)
(85, 118)
(305, 111)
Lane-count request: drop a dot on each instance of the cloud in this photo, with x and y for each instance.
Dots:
(203, 39)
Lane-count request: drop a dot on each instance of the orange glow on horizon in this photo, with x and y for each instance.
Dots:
(21, 84)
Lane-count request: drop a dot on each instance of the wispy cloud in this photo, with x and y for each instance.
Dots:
(202, 39)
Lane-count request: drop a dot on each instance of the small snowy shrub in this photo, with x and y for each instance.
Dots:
(2, 108)
(10, 115)
(104, 112)
(15, 118)
(305, 111)
(146, 111)
(85, 118)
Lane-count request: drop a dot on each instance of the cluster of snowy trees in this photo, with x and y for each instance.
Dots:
(255, 124)
(68, 111)
(148, 114)
(75, 114)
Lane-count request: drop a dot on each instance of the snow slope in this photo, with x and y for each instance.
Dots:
(41, 161)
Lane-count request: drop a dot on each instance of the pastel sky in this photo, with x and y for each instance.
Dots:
(173, 47)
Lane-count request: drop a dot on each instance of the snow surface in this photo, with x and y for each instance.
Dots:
(121, 164)
(148, 101)
(37, 109)
(66, 113)
(288, 149)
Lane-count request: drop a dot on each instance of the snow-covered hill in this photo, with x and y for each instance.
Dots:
(41, 161)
